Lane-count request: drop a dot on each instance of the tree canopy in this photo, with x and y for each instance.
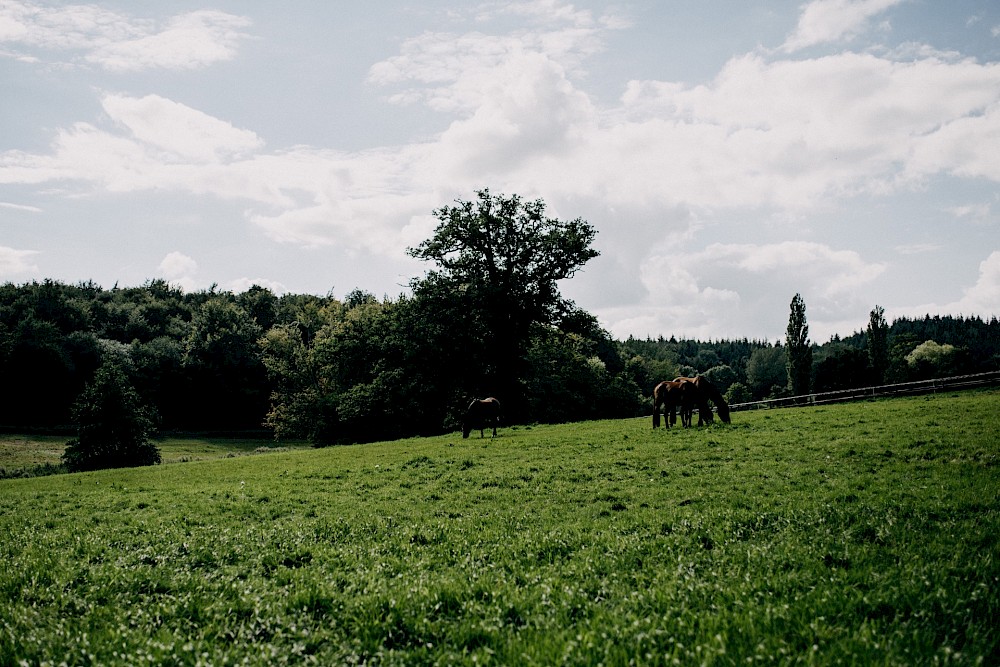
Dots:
(500, 259)
(113, 424)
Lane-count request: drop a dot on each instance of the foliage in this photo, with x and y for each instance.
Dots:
(722, 377)
(797, 348)
(738, 393)
(503, 258)
(113, 426)
(878, 345)
(766, 372)
(362, 368)
(840, 366)
(859, 533)
(930, 358)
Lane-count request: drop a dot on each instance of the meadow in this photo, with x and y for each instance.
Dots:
(862, 533)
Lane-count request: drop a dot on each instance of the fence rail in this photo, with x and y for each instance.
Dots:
(862, 393)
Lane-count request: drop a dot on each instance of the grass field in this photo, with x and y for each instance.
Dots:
(862, 533)
(28, 454)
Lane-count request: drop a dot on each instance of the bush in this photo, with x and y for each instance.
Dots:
(738, 393)
(113, 427)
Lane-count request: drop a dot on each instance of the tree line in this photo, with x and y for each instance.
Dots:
(486, 319)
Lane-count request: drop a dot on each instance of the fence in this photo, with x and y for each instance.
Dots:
(863, 393)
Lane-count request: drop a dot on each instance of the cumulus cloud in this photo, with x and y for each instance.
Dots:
(717, 291)
(188, 41)
(121, 42)
(787, 134)
(770, 134)
(240, 285)
(177, 264)
(824, 21)
(180, 269)
(16, 262)
(982, 298)
(178, 129)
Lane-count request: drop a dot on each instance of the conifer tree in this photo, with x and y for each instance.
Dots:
(878, 344)
(798, 349)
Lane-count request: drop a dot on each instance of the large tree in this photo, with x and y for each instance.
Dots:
(798, 348)
(500, 260)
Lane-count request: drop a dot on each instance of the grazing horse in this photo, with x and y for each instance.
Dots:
(480, 415)
(671, 394)
(705, 392)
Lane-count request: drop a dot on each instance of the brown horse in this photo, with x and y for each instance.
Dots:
(481, 414)
(671, 394)
(705, 391)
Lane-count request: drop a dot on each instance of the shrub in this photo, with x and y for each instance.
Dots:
(113, 426)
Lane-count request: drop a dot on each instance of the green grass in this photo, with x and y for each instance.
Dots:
(26, 454)
(860, 533)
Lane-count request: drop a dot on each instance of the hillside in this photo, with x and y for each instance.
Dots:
(864, 533)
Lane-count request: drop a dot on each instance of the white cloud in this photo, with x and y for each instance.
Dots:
(180, 270)
(786, 134)
(178, 129)
(240, 285)
(189, 41)
(769, 135)
(20, 207)
(459, 73)
(973, 212)
(122, 42)
(177, 265)
(825, 21)
(16, 262)
(71, 27)
(726, 288)
(982, 298)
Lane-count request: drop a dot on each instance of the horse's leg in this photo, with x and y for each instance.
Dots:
(704, 414)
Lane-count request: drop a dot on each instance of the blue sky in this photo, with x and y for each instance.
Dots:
(730, 154)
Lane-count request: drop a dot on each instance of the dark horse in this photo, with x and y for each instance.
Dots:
(705, 392)
(671, 394)
(481, 414)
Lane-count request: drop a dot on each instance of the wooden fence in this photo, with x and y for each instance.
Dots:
(863, 393)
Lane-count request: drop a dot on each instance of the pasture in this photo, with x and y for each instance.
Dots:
(862, 533)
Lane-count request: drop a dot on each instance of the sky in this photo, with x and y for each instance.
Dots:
(729, 154)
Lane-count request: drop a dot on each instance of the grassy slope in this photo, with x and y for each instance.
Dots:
(863, 532)
(20, 452)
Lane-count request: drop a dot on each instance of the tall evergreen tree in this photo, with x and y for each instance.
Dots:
(878, 344)
(797, 348)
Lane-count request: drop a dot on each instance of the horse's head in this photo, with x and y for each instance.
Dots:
(466, 429)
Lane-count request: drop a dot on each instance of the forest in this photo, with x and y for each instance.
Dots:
(362, 368)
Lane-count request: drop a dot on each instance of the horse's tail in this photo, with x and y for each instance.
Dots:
(716, 397)
(657, 400)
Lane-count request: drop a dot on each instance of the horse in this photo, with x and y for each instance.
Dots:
(480, 415)
(670, 394)
(705, 391)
